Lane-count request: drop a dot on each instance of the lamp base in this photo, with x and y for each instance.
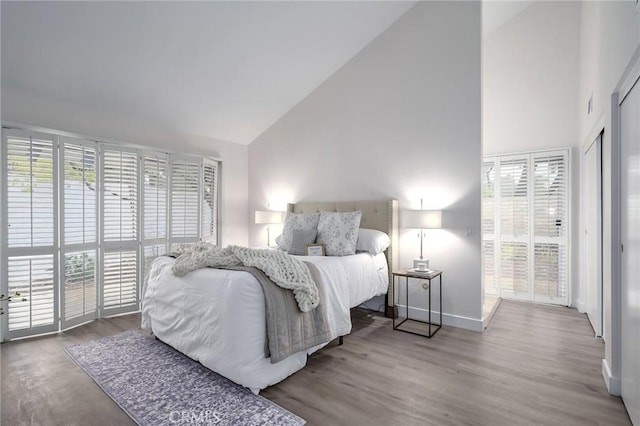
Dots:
(416, 261)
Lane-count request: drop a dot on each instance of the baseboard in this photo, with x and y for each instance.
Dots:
(613, 383)
(580, 306)
(447, 319)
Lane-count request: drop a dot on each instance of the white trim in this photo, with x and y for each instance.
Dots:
(459, 321)
(612, 382)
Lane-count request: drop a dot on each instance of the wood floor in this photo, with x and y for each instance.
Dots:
(533, 365)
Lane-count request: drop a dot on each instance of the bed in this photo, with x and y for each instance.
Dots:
(217, 316)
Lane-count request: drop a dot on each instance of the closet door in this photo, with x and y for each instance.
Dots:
(592, 265)
(630, 233)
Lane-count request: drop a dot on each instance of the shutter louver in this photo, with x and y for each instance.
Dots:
(550, 196)
(210, 199)
(155, 198)
(488, 252)
(80, 197)
(156, 194)
(488, 197)
(33, 278)
(79, 284)
(514, 197)
(30, 192)
(120, 279)
(185, 178)
(120, 177)
(514, 262)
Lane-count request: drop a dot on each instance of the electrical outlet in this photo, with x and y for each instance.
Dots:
(469, 231)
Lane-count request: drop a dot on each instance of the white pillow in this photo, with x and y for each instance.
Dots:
(338, 231)
(372, 241)
(298, 222)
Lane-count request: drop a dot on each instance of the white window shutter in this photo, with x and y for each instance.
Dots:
(489, 198)
(156, 198)
(120, 280)
(550, 203)
(514, 227)
(80, 289)
(120, 202)
(210, 201)
(30, 237)
(527, 246)
(30, 192)
(121, 239)
(80, 231)
(79, 193)
(185, 196)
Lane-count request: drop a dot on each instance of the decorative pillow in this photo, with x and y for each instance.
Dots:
(300, 240)
(299, 222)
(372, 241)
(339, 232)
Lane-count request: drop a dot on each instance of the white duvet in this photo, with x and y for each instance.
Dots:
(217, 317)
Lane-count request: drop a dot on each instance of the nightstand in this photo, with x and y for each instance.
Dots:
(421, 327)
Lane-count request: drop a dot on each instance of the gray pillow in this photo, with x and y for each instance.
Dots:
(300, 239)
(296, 221)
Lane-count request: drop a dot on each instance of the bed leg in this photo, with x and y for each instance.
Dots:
(340, 341)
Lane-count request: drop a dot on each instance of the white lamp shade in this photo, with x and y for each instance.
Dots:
(268, 217)
(422, 219)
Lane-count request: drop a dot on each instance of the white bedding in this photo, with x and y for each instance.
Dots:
(217, 317)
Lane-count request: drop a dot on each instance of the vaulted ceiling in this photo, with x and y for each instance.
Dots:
(226, 70)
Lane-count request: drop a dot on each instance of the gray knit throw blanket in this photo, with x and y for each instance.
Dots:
(283, 269)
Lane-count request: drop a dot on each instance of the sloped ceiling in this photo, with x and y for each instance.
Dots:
(496, 13)
(226, 70)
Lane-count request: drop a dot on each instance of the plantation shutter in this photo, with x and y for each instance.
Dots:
(488, 225)
(210, 202)
(185, 200)
(514, 226)
(80, 225)
(525, 240)
(120, 230)
(550, 226)
(29, 232)
(155, 195)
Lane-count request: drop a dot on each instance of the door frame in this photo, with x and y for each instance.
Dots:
(593, 143)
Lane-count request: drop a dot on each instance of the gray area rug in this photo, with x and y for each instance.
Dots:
(157, 385)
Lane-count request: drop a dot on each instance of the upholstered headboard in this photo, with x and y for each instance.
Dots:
(380, 215)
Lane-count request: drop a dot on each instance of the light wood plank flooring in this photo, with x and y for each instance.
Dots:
(533, 365)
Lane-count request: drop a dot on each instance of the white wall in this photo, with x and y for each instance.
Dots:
(610, 33)
(529, 90)
(101, 123)
(529, 86)
(400, 120)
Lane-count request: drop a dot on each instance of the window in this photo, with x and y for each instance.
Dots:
(525, 215)
(82, 220)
